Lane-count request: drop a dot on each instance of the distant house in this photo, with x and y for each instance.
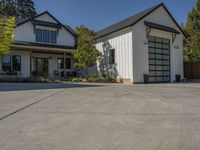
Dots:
(145, 47)
(43, 46)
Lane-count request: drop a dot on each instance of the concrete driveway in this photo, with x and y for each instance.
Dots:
(99, 117)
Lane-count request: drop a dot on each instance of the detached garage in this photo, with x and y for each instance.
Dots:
(146, 46)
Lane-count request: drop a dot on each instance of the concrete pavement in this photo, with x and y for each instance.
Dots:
(99, 117)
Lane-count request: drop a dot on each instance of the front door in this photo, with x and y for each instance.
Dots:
(159, 59)
(40, 66)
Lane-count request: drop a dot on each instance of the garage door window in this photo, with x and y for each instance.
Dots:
(159, 59)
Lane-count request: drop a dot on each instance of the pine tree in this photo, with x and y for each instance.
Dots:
(18, 8)
(192, 30)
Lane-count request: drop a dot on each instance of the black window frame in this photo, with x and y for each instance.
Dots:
(8, 66)
(37, 34)
(52, 40)
(12, 65)
(111, 56)
(68, 62)
(60, 65)
(16, 68)
(44, 34)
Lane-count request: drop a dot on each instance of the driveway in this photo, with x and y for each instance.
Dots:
(99, 117)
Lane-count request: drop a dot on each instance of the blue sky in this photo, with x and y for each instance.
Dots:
(98, 14)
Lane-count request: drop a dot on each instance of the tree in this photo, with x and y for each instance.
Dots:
(192, 30)
(18, 8)
(86, 55)
(6, 34)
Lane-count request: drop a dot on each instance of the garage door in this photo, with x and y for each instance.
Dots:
(159, 59)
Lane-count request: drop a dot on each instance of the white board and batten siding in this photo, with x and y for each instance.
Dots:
(25, 32)
(140, 50)
(121, 42)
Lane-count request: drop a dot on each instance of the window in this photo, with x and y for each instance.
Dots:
(16, 63)
(11, 63)
(53, 37)
(111, 56)
(68, 63)
(6, 63)
(61, 63)
(38, 35)
(46, 36)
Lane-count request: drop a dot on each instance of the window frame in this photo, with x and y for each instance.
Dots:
(62, 63)
(42, 39)
(20, 63)
(36, 37)
(111, 57)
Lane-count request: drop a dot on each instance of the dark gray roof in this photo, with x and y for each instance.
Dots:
(131, 21)
(161, 27)
(20, 20)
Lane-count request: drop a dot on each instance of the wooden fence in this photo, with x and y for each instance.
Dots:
(192, 70)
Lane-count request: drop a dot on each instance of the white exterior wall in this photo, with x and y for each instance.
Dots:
(25, 32)
(140, 50)
(122, 43)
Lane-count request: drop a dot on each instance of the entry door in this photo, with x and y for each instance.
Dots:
(40, 66)
(159, 59)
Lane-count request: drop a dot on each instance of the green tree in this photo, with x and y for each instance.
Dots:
(86, 55)
(192, 30)
(6, 34)
(18, 8)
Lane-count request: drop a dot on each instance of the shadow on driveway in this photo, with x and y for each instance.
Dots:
(42, 86)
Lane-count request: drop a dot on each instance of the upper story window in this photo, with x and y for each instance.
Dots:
(46, 36)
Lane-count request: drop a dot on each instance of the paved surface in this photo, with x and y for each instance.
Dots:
(99, 117)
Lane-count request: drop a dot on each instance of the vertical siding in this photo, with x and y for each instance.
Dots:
(122, 43)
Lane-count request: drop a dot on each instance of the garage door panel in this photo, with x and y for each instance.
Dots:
(159, 59)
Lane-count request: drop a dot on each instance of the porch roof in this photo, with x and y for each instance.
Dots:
(40, 47)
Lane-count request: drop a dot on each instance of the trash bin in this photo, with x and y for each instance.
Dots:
(146, 78)
(178, 78)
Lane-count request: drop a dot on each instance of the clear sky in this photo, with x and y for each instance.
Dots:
(98, 14)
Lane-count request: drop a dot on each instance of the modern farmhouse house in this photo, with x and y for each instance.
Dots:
(147, 46)
(42, 46)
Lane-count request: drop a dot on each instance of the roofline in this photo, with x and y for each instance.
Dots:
(46, 12)
(162, 4)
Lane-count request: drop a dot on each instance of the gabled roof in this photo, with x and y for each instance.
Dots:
(46, 12)
(132, 21)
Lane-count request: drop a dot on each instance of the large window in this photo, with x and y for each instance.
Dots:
(61, 63)
(11, 63)
(46, 36)
(111, 56)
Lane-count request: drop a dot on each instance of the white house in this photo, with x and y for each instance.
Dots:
(43, 46)
(148, 43)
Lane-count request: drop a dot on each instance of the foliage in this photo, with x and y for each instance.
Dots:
(16, 79)
(6, 34)
(192, 30)
(18, 8)
(86, 55)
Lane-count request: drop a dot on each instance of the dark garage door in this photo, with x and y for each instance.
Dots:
(159, 59)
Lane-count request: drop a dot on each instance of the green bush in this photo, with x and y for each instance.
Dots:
(24, 80)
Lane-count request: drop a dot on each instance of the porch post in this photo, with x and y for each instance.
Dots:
(64, 65)
(31, 74)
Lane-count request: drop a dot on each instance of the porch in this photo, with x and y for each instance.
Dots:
(29, 62)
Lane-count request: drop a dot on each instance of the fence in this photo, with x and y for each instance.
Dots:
(192, 70)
